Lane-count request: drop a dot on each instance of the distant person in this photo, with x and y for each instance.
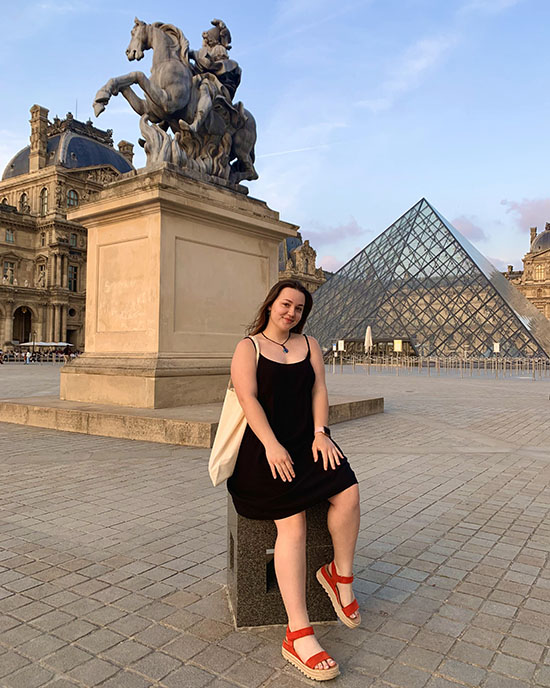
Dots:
(67, 354)
(1, 357)
(288, 462)
(28, 357)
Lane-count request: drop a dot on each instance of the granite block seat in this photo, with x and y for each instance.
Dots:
(253, 592)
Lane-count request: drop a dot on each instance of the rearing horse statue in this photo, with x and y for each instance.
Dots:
(196, 107)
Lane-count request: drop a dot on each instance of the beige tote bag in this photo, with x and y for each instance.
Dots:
(229, 434)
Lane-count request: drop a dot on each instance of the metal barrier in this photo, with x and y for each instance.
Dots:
(37, 357)
(450, 366)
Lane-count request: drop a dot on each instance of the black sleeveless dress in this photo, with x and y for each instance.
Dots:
(284, 392)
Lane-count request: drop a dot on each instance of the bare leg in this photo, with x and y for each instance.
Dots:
(290, 567)
(343, 524)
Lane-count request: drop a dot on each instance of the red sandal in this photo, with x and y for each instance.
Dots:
(328, 578)
(307, 667)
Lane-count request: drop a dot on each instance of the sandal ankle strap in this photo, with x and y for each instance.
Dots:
(337, 578)
(300, 633)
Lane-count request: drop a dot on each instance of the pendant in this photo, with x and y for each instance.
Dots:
(284, 348)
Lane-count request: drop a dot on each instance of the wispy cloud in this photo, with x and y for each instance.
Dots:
(530, 212)
(487, 6)
(63, 7)
(407, 74)
(467, 225)
(498, 263)
(321, 235)
(293, 150)
(330, 263)
(10, 144)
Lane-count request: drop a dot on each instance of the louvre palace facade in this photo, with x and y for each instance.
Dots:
(534, 280)
(42, 253)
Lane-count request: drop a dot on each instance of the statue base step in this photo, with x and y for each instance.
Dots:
(144, 382)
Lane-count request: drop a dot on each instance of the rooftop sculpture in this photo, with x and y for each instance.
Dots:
(190, 94)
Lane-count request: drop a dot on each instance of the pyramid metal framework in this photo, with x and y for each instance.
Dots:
(422, 281)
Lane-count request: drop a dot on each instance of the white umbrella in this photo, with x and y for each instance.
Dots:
(368, 340)
(52, 344)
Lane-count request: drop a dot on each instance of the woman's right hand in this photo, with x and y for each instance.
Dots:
(280, 462)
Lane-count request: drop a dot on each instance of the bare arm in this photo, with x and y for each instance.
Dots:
(243, 374)
(319, 400)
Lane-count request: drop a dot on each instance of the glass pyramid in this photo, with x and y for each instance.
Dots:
(422, 281)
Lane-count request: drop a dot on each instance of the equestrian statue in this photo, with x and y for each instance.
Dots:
(188, 116)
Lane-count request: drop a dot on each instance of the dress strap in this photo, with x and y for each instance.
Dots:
(253, 342)
(307, 342)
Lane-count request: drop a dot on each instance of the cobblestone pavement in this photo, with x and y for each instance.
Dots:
(112, 552)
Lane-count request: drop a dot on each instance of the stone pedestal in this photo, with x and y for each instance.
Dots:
(176, 269)
(253, 591)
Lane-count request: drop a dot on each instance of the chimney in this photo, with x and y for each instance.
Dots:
(39, 138)
(510, 269)
(533, 233)
(126, 149)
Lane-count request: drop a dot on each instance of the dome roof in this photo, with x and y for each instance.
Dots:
(542, 241)
(72, 144)
(285, 248)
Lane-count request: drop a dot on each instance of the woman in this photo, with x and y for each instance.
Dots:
(287, 462)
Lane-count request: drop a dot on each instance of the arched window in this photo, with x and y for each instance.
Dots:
(4, 201)
(44, 202)
(72, 198)
(539, 272)
(23, 202)
(43, 239)
(539, 293)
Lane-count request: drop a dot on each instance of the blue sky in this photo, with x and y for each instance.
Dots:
(362, 106)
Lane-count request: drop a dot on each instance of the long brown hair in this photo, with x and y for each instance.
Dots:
(262, 317)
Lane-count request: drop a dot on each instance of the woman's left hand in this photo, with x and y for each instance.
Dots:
(329, 451)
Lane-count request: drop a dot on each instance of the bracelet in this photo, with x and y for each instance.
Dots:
(323, 429)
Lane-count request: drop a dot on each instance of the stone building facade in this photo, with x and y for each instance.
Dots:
(297, 261)
(534, 280)
(42, 253)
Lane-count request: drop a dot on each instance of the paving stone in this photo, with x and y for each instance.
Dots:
(460, 671)
(406, 676)
(10, 662)
(93, 672)
(100, 640)
(421, 658)
(497, 681)
(41, 646)
(52, 620)
(511, 666)
(523, 649)
(74, 630)
(156, 636)
(127, 679)
(67, 658)
(156, 665)
(441, 625)
(130, 624)
(472, 654)
(248, 673)
(31, 676)
(126, 652)
(215, 658)
(543, 677)
(189, 676)
(18, 635)
(187, 646)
